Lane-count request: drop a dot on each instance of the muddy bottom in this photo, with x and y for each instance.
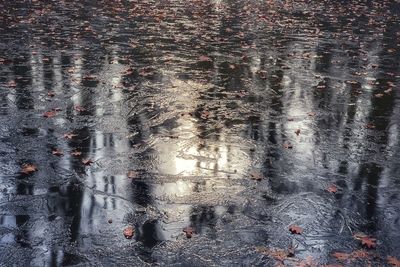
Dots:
(199, 133)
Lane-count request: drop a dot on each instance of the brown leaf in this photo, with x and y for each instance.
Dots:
(393, 261)
(287, 145)
(341, 256)
(311, 114)
(294, 229)
(370, 126)
(366, 241)
(189, 231)
(360, 254)
(132, 174)
(51, 94)
(128, 232)
(76, 153)
(87, 162)
(256, 176)
(69, 136)
(205, 59)
(332, 189)
(28, 168)
(79, 108)
(297, 132)
(57, 152)
(49, 114)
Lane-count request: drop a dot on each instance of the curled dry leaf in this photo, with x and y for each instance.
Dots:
(51, 94)
(332, 189)
(189, 231)
(287, 146)
(76, 153)
(370, 126)
(49, 114)
(256, 176)
(294, 229)
(57, 152)
(28, 168)
(69, 136)
(128, 232)
(297, 132)
(87, 162)
(132, 174)
(79, 108)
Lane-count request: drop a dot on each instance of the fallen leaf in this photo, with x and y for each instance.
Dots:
(311, 114)
(49, 114)
(287, 145)
(76, 153)
(189, 231)
(87, 162)
(294, 229)
(128, 232)
(132, 174)
(57, 152)
(79, 108)
(393, 261)
(332, 189)
(276, 254)
(379, 95)
(370, 126)
(69, 136)
(256, 176)
(366, 241)
(28, 168)
(205, 59)
(51, 94)
(297, 132)
(341, 256)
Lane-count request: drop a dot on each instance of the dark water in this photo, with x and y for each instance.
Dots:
(198, 97)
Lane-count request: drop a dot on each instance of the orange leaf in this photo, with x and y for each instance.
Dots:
(28, 168)
(332, 189)
(128, 232)
(393, 261)
(341, 256)
(294, 229)
(49, 114)
(132, 174)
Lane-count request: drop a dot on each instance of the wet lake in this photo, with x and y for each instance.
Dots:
(218, 133)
